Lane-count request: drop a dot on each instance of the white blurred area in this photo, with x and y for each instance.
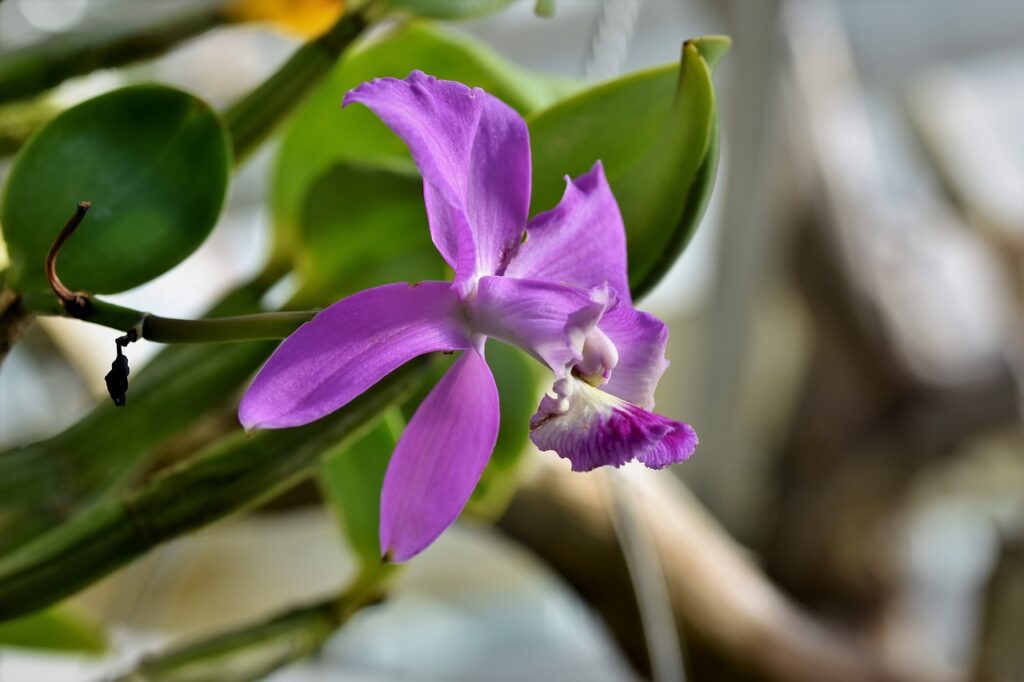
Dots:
(922, 136)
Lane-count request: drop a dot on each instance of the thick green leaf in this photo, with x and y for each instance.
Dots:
(154, 163)
(351, 479)
(449, 9)
(348, 212)
(322, 135)
(42, 483)
(232, 475)
(656, 134)
(55, 629)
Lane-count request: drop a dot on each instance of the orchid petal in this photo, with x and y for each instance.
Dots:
(439, 458)
(592, 428)
(349, 347)
(640, 339)
(580, 242)
(473, 152)
(547, 320)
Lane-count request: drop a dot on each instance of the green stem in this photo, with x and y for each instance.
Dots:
(256, 327)
(255, 651)
(235, 474)
(33, 69)
(44, 483)
(254, 117)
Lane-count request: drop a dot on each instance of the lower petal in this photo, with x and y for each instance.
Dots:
(592, 428)
(439, 458)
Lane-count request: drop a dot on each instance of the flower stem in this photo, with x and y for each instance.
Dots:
(253, 118)
(33, 69)
(43, 484)
(233, 475)
(255, 327)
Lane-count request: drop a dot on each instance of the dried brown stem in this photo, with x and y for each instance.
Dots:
(75, 302)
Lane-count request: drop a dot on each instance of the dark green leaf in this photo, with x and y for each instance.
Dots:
(363, 227)
(56, 629)
(154, 163)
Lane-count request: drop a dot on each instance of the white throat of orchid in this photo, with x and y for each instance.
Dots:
(599, 359)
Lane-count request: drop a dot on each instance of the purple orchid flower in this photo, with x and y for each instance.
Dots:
(559, 292)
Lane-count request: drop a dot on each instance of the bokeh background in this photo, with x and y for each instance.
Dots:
(847, 338)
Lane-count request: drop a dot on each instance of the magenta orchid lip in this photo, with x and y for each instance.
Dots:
(561, 295)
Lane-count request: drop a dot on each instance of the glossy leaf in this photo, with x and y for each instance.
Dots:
(363, 227)
(351, 480)
(322, 135)
(154, 163)
(656, 133)
(55, 629)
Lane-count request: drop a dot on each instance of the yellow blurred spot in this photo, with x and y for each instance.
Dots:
(306, 18)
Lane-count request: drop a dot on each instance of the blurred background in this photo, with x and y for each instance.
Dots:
(847, 338)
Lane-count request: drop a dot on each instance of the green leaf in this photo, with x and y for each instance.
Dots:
(321, 135)
(656, 134)
(154, 163)
(55, 629)
(351, 479)
(346, 211)
(448, 9)
(518, 378)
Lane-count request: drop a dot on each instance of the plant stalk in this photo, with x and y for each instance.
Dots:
(254, 117)
(237, 473)
(254, 327)
(30, 70)
(255, 651)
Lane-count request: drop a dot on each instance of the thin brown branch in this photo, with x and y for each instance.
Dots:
(75, 302)
(716, 592)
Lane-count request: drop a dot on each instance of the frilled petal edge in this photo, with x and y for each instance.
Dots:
(592, 428)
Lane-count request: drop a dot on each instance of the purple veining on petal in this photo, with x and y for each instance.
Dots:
(580, 242)
(591, 428)
(473, 152)
(677, 445)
